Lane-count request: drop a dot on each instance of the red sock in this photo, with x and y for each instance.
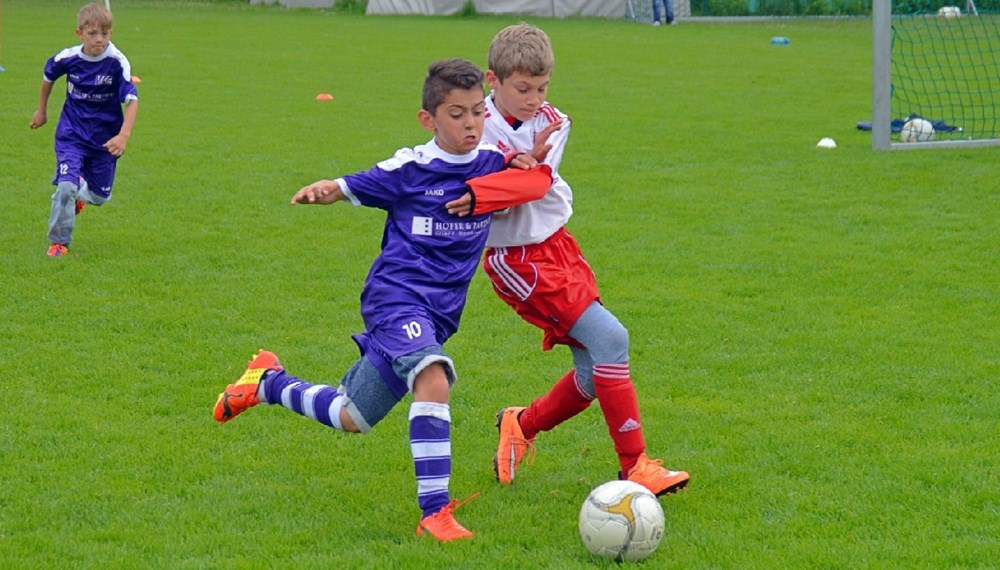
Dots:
(620, 406)
(559, 404)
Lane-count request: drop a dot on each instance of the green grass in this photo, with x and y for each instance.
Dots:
(814, 332)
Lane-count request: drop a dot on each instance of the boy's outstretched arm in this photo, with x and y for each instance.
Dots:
(319, 192)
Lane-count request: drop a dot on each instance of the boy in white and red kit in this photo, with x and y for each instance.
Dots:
(537, 268)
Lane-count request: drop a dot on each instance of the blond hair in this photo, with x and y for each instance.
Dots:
(521, 47)
(94, 14)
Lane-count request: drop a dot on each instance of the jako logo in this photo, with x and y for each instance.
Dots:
(434, 192)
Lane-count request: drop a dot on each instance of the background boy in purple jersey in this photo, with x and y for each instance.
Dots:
(93, 130)
(414, 294)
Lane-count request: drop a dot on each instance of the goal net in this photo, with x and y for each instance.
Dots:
(937, 61)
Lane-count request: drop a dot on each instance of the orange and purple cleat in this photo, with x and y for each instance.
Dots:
(79, 206)
(512, 445)
(57, 250)
(242, 394)
(651, 474)
(442, 524)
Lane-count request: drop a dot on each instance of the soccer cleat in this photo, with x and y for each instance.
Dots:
(80, 204)
(512, 445)
(442, 524)
(57, 250)
(242, 394)
(651, 474)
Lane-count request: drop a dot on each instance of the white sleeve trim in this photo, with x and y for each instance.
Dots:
(347, 191)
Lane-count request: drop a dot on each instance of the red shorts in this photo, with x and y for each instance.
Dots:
(549, 284)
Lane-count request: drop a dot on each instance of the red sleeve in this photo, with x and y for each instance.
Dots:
(509, 188)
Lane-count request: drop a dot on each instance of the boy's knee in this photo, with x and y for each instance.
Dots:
(65, 192)
(347, 422)
(614, 346)
(431, 383)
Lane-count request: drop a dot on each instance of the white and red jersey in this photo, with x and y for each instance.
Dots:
(535, 221)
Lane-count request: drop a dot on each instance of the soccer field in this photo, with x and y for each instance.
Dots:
(814, 332)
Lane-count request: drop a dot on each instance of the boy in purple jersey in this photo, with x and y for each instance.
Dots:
(93, 130)
(414, 294)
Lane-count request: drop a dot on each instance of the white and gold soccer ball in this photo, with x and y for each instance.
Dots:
(917, 130)
(621, 520)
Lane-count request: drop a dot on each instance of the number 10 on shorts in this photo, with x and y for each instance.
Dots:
(412, 330)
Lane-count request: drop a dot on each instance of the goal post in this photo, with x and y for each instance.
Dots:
(881, 81)
(938, 63)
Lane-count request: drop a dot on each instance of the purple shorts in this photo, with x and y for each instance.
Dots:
(97, 167)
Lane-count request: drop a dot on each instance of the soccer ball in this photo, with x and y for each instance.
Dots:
(949, 12)
(917, 130)
(621, 520)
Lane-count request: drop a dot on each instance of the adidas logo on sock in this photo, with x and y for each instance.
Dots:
(629, 425)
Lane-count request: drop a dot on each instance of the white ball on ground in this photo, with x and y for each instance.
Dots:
(949, 12)
(621, 520)
(917, 130)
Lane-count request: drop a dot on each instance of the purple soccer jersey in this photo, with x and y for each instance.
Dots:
(96, 89)
(428, 256)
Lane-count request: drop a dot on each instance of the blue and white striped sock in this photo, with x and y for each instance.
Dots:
(315, 401)
(430, 441)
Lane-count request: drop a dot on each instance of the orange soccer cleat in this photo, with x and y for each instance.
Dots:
(57, 250)
(651, 474)
(242, 394)
(442, 524)
(512, 445)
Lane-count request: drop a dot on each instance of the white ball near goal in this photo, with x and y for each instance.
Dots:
(917, 130)
(949, 12)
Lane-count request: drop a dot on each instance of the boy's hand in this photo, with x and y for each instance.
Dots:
(116, 146)
(39, 119)
(461, 207)
(542, 148)
(523, 161)
(319, 192)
